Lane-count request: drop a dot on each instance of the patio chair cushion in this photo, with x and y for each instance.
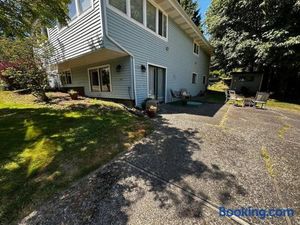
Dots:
(184, 92)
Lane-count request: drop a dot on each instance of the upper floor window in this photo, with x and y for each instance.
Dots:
(151, 16)
(84, 5)
(196, 49)
(144, 12)
(72, 10)
(162, 24)
(78, 7)
(136, 9)
(119, 4)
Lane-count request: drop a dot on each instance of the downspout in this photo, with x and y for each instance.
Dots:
(132, 59)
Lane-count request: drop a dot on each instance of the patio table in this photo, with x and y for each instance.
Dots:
(239, 99)
(248, 101)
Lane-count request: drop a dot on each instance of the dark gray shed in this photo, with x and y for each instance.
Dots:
(246, 82)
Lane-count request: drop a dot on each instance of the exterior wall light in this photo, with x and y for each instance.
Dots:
(118, 68)
(143, 68)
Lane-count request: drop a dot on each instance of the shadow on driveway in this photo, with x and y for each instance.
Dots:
(136, 188)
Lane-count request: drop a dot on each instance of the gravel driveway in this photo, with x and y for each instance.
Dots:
(197, 159)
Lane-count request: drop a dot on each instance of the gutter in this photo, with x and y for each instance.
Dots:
(119, 46)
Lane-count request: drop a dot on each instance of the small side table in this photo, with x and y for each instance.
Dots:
(248, 102)
(239, 100)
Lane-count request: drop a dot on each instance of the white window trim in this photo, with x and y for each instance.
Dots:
(197, 78)
(127, 15)
(63, 71)
(110, 75)
(78, 16)
(194, 43)
(166, 79)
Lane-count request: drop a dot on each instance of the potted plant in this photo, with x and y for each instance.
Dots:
(73, 94)
(151, 111)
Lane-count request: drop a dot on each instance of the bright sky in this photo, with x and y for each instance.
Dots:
(203, 6)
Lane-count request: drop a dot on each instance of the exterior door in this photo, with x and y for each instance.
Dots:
(157, 83)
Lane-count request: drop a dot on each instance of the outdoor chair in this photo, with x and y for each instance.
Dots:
(185, 94)
(261, 98)
(175, 95)
(230, 95)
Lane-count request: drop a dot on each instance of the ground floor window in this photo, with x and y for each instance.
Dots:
(66, 77)
(194, 78)
(100, 79)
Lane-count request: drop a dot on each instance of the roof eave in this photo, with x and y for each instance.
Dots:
(204, 43)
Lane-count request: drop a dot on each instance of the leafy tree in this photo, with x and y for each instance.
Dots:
(20, 18)
(29, 58)
(257, 35)
(192, 9)
(22, 43)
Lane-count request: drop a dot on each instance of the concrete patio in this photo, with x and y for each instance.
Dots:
(197, 159)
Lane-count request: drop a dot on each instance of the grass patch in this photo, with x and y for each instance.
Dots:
(283, 130)
(220, 86)
(268, 162)
(44, 148)
(283, 105)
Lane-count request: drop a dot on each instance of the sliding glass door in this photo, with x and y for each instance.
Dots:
(157, 83)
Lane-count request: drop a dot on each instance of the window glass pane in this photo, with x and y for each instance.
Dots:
(85, 5)
(194, 78)
(119, 4)
(151, 93)
(94, 79)
(151, 17)
(68, 77)
(63, 79)
(196, 49)
(105, 79)
(72, 10)
(204, 79)
(162, 24)
(136, 7)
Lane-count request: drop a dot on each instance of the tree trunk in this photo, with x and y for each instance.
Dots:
(41, 96)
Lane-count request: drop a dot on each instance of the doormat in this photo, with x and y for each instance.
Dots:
(194, 103)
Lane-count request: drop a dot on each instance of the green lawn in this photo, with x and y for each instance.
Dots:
(216, 94)
(218, 87)
(46, 148)
(272, 103)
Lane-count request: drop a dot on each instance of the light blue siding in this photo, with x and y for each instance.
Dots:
(120, 81)
(82, 36)
(176, 54)
(87, 34)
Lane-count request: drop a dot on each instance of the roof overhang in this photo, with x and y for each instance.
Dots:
(177, 13)
(99, 56)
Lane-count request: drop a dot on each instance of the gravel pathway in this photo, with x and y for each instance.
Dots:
(198, 158)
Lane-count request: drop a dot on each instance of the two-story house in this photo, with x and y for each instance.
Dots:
(130, 50)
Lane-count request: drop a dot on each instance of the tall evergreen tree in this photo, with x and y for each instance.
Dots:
(257, 35)
(192, 9)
